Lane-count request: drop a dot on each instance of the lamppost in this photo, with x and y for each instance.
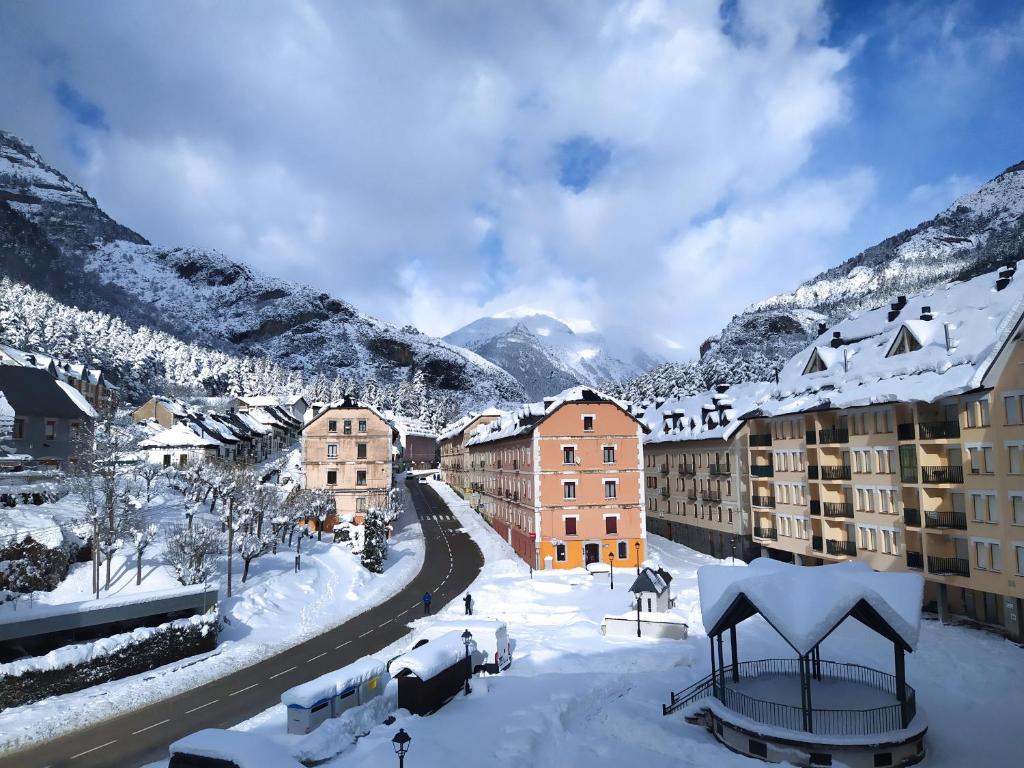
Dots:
(732, 545)
(611, 565)
(467, 638)
(638, 558)
(637, 596)
(401, 743)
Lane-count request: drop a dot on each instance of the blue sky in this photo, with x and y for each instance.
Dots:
(647, 166)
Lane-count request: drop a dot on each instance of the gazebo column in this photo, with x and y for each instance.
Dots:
(714, 673)
(817, 661)
(901, 684)
(735, 661)
(805, 691)
(721, 664)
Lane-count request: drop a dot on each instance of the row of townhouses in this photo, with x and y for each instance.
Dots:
(89, 381)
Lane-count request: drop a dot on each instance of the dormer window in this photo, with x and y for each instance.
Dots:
(815, 364)
(905, 342)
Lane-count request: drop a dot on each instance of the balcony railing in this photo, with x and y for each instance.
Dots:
(710, 495)
(691, 495)
(815, 507)
(812, 472)
(957, 520)
(841, 547)
(949, 566)
(664, 493)
(687, 469)
(762, 470)
(811, 437)
(816, 544)
(837, 472)
(762, 501)
(837, 509)
(765, 533)
(905, 431)
(663, 469)
(915, 560)
(912, 517)
(950, 474)
(719, 469)
(938, 430)
(761, 441)
(833, 436)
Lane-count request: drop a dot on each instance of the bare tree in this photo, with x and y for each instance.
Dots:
(322, 507)
(142, 537)
(147, 472)
(190, 552)
(252, 545)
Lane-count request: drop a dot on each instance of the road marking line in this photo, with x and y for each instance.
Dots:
(282, 672)
(404, 612)
(384, 624)
(154, 725)
(101, 746)
(342, 645)
(318, 656)
(366, 633)
(243, 690)
(190, 711)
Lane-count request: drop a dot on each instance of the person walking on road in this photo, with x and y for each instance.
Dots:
(426, 603)
(468, 600)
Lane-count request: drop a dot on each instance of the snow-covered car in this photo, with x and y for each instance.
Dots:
(217, 748)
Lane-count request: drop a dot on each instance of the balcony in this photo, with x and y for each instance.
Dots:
(833, 436)
(905, 431)
(687, 469)
(950, 474)
(939, 520)
(763, 501)
(949, 566)
(766, 533)
(816, 544)
(810, 437)
(815, 507)
(837, 509)
(762, 470)
(812, 472)
(912, 517)
(691, 495)
(840, 548)
(915, 560)
(515, 463)
(663, 470)
(761, 441)
(938, 430)
(664, 493)
(719, 469)
(908, 474)
(837, 472)
(515, 496)
(710, 495)
(498, 463)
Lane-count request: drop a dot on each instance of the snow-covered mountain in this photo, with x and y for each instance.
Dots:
(545, 355)
(978, 233)
(54, 237)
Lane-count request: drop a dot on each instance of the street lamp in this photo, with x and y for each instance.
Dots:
(611, 565)
(637, 596)
(638, 558)
(467, 638)
(401, 743)
(732, 545)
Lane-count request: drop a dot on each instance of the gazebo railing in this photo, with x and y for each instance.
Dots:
(848, 722)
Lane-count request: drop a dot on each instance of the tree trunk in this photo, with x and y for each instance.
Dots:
(110, 557)
(138, 567)
(245, 570)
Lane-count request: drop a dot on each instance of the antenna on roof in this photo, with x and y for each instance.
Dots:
(846, 360)
(949, 341)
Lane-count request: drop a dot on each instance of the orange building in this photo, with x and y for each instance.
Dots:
(562, 480)
(456, 467)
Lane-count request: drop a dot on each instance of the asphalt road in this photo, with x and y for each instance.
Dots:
(451, 563)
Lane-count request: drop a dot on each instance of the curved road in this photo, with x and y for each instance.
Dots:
(451, 562)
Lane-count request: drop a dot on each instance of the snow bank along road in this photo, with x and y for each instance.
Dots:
(451, 562)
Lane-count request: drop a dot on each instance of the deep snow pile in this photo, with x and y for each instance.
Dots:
(575, 698)
(276, 608)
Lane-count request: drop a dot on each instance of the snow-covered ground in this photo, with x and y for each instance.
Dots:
(276, 608)
(575, 698)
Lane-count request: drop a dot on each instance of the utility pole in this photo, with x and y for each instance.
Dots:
(231, 537)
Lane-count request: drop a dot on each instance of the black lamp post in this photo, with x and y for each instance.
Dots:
(611, 565)
(401, 743)
(637, 595)
(467, 638)
(638, 558)
(732, 545)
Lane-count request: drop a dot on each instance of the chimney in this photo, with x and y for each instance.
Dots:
(822, 327)
(1005, 275)
(926, 313)
(721, 388)
(901, 301)
(837, 339)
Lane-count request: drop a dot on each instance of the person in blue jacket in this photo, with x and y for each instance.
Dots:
(426, 603)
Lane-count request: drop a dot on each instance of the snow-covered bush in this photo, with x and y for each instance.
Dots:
(190, 552)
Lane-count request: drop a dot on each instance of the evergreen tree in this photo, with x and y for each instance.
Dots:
(375, 540)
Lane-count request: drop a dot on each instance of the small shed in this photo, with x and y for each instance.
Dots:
(331, 694)
(431, 674)
(653, 589)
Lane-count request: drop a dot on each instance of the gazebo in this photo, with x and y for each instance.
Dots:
(768, 707)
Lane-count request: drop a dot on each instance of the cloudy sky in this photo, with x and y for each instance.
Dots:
(653, 166)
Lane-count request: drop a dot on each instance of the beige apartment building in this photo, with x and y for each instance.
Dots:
(562, 480)
(695, 462)
(899, 442)
(456, 465)
(347, 449)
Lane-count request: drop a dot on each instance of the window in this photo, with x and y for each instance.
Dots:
(332, 450)
(183, 460)
(360, 450)
(347, 428)
(588, 423)
(611, 525)
(981, 555)
(19, 429)
(623, 550)
(569, 490)
(167, 459)
(1017, 500)
(568, 454)
(332, 477)
(984, 419)
(560, 553)
(51, 429)
(985, 508)
(1020, 559)
(361, 426)
(995, 557)
(570, 526)
(361, 477)
(1013, 410)
(610, 489)
(1013, 458)
(332, 425)
(609, 454)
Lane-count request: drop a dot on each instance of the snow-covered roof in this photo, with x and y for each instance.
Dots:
(178, 436)
(349, 403)
(524, 420)
(458, 426)
(707, 415)
(333, 683)
(63, 369)
(859, 369)
(651, 580)
(407, 426)
(805, 604)
(77, 399)
(241, 748)
(433, 657)
(258, 401)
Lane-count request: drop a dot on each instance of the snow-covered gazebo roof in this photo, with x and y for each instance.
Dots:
(804, 604)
